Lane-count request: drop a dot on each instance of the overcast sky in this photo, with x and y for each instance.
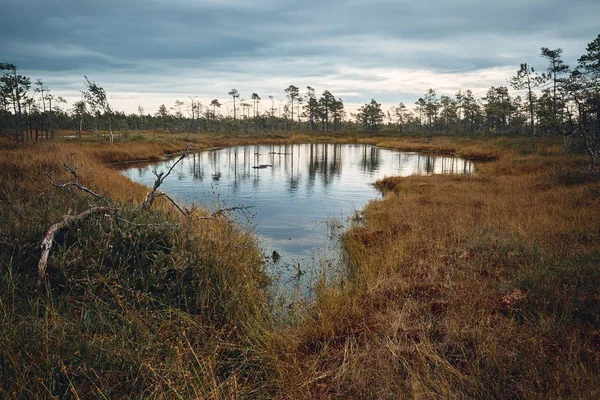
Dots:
(148, 52)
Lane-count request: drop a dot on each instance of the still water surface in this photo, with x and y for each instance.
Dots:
(297, 194)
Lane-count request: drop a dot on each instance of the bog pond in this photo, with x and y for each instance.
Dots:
(299, 198)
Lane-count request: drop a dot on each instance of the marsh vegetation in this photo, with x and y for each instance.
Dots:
(457, 286)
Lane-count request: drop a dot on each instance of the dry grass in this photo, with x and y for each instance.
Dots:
(480, 286)
(139, 306)
(481, 149)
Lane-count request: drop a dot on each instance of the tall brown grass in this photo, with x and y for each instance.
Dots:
(482, 286)
(141, 304)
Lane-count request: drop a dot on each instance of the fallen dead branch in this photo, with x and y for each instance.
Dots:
(220, 212)
(68, 221)
(76, 183)
(160, 193)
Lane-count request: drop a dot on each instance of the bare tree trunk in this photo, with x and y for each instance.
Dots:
(110, 132)
(17, 127)
(292, 113)
(590, 141)
(531, 115)
(50, 119)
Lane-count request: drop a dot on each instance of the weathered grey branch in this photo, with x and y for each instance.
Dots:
(181, 209)
(68, 221)
(160, 177)
(221, 211)
(76, 183)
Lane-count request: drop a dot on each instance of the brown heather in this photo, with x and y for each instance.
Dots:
(482, 286)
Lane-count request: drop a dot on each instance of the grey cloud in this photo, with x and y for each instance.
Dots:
(204, 31)
(168, 45)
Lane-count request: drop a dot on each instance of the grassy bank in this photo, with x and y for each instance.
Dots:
(481, 286)
(137, 304)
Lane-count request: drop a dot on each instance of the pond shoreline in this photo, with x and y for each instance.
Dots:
(429, 149)
(306, 184)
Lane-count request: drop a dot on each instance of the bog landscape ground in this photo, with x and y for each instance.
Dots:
(478, 286)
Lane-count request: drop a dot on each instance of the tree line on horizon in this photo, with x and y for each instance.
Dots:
(558, 101)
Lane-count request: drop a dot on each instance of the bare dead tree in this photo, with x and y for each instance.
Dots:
(70, 220)
(160, 178)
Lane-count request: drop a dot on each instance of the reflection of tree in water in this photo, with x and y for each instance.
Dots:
(196, 167)
(293, 174)
(425, 164)
(256, 161)
(406, 157)
(371, 160)
(247, 161)
(258, 156)
(335, 167)
(324, 161)
(240, 162)
(312, 171)
(235, 184)
(448, 165)
(429, 164)
(256, 179)
(453, 165)
(468, 167)
(293, 183)
(214, 158)
(442, 165)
